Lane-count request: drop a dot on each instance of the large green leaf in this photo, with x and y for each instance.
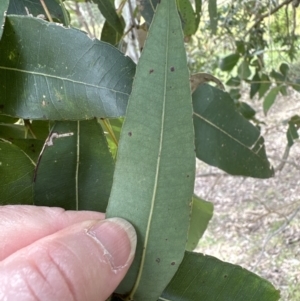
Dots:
(147, 8)
(154, 176)
(3, 10)
(75, 169)
(201, 277)
(224, 138)
(108, 11)
(77, 78)
(16, 174)
(202, 212)
(270, 99)
(35, 8)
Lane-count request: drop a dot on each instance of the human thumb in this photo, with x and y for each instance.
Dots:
(85, 261)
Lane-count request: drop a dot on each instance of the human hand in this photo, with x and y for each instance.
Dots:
(49, 254)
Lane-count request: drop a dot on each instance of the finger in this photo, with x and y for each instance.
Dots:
(85, 261)
(22, 225)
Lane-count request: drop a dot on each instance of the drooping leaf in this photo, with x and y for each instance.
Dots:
(247, 111)
(3, 12)
(35, 8)
(203, 277)
(270, 99)
(77, 78)
(292, 132)
(255, 85)
(16, 174)
(233, 81)
(75, 168)
(224, 138)
(108, 11)
(147, 9)
(264, 86)
(156, 153)
(228, 62)
(279, 78)
(202, 212)
(187, 16)
(244, 70)
(110, 35)
(284, 69)
(213, 15)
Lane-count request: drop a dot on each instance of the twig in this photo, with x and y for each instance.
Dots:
(273, 11)
(46, 11)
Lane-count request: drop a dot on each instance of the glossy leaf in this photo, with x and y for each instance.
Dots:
(202, 212)
(270, 99)
(35, 8)
(108, 11)
(76, 171)
(264, 86)
(228, 62)
(187, 16)
(156, 152)
(3, 11)
(16, 174)
(213, 15)
(224, 138)
(94, 81)
(203, 277)
(147, 9)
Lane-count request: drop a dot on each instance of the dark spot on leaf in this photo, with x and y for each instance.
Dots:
(151, 71)
(1, 107)
(225, 276)
(129, 134)
(157, 260)
(172, 69)
(173, 263)
(32, 145)
(187, 176)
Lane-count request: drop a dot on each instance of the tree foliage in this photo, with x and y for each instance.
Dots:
(64, 97)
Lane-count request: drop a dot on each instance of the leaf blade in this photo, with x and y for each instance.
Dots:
(142, 173)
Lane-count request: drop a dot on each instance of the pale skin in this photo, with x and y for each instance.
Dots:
(50, 254)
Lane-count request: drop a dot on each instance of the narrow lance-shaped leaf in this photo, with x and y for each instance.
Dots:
(75, 168)
(16, 174)
(224, 138)
(154, 176)
(213, 15)
(108, 11)
(3, 10)
(270, 99)
(35, 8)
(77, 78)
(147, 9)
(188, 16)
(201, 277)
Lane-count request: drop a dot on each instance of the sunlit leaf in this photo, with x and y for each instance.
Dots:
(202, 212)
(77, 78)
(16, 175)
(224, 138)
(202, 277)
(156, 152)
(75, 168)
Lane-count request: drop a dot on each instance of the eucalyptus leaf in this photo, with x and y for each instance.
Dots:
(198, 7)
(213, 15)
(255, 85)
(203, 277)
(244, 70)
(108, 11)
(110, 35)
(292, 132)
(75, 168)
(147, 9)
(270, 99)
(77, 78)
(155, 169)
(228, 62)
(35, 8)
(202, 212)
(187, 15)
(16, 174)
(224, 138)
(264, 86)
(3, 12)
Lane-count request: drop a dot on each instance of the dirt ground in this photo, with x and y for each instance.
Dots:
(256, 223)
